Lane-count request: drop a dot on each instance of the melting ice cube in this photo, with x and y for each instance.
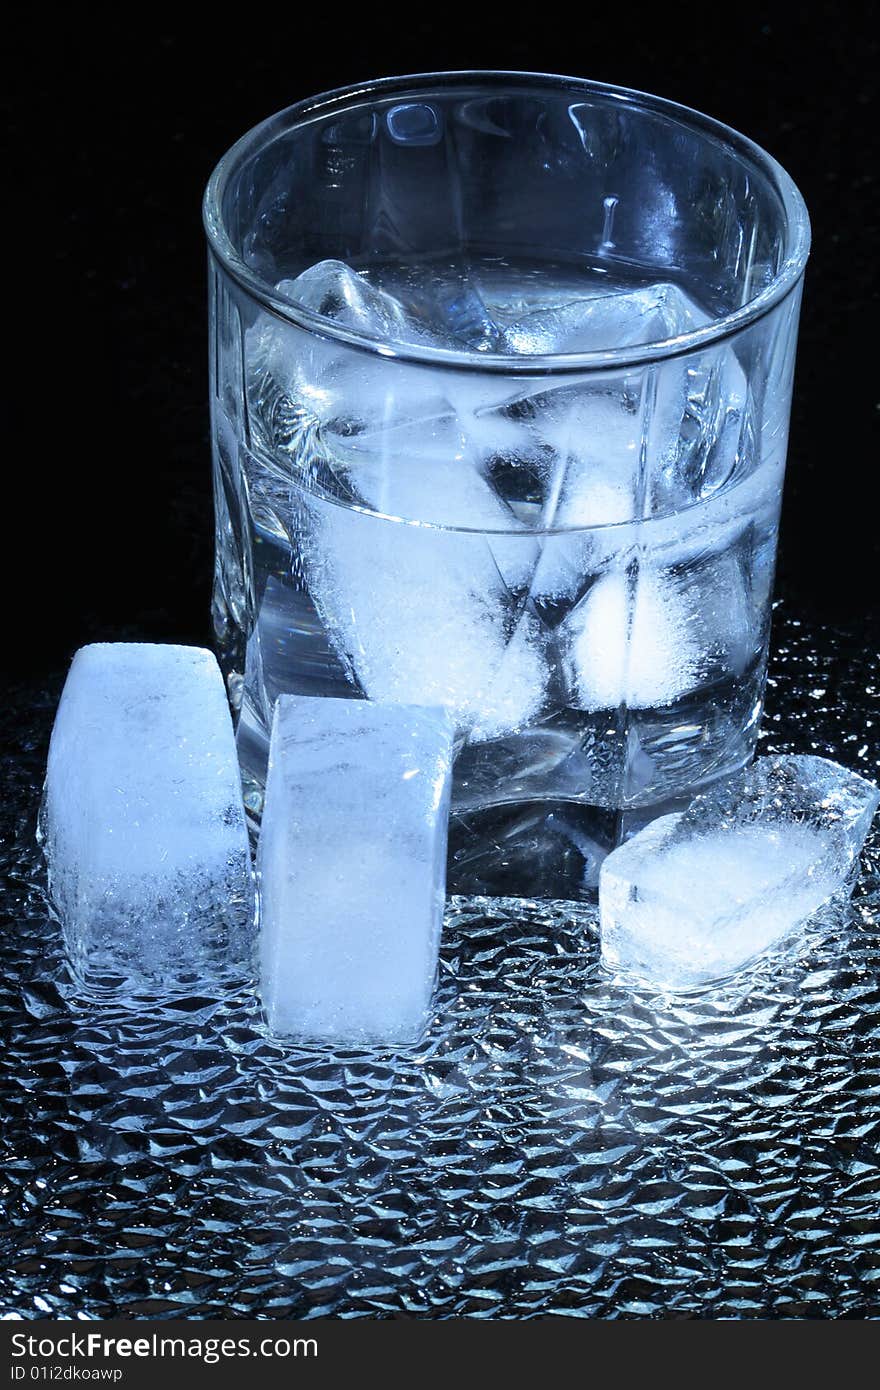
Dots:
(626, 318)
(335, 291)
(426, 616)
(695, 895)
(419, 614)
(352, 863)
(143, 822)
(646, 637)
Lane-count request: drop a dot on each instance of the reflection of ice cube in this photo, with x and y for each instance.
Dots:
(143, 820)
(646, 637)
(695, 895)
(423, 616)
(352, 866)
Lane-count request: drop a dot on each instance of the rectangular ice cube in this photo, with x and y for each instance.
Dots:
(697, 894)
(352, 866)
(142, 820)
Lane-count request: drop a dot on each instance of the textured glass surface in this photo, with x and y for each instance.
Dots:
(560, 1143)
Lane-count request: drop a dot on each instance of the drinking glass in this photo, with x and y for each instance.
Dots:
(501, 367)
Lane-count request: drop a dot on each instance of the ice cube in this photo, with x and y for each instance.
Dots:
(423, 470)
(418, 615)
(466, 318)
(646, 636)
(142, 822)
(639, 445)
(697, 894)
(646, 442)
(345, 402)
(575, 450)
(424, 616)
(630, 643)
(300, 380)
(352, 867)
(445, 472)
(427, 471)
(642, 444)
(425, 456)
(335, 291)
(592, 443)
(625, 318)
(700, 429)
(436, 309)
(449, 307)
(575, 453)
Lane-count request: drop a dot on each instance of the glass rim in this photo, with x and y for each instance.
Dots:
(348, 98)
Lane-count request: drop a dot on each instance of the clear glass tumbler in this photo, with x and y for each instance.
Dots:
(501, 370)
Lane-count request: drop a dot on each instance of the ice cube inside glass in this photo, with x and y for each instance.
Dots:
(501, 372)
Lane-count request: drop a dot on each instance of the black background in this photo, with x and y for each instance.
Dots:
(116, 127)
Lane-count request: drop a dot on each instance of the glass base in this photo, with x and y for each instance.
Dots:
(539, 847)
